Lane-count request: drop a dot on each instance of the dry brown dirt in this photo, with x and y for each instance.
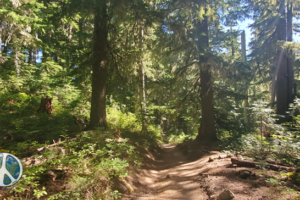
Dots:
(173, 173)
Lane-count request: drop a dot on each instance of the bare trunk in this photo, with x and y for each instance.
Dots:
(243, 43)
(282, 85)
(34, 52)
(254, 92)
(98, 104)
(0, 43)
(232, 46)
(235, 86)
(143, 91)
(289, 21)
(246, 103)
(16, 52)
(290, 53)
(29, 55)
(207, 130)
(273, 90)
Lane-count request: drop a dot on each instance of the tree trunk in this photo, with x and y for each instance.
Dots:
(142, 94)
(0, 43)
(34, 52)
(282, 85)
(246, 103)
(290, 53)
(235, 85)
(232, 46)
(98, 104)
(16, 61)
(246, 107)
(207, 130)
(243, 43)
(29, 55)
(273, 89)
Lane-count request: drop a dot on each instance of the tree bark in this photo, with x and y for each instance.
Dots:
(273, 89)
(207, 130)
(34, 52)
(98, 102)
(246, 102)
(290, 53)
(16, 60)
(235, 86)
(29, 55)
(282, 85)
(142, 94)
(0, 43)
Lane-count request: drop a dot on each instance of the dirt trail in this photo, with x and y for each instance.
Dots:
(172, 175)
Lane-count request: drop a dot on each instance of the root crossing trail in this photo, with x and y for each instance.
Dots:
(170, 176)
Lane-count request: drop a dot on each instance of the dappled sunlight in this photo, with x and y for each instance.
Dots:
(174, 176)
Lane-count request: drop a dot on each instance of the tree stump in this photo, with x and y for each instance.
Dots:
(80, 122)
(46, 105)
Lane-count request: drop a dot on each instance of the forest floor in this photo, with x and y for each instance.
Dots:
(172, 173)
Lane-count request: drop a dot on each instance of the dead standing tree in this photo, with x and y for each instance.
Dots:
(46, 105)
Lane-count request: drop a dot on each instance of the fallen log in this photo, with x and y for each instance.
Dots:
(246, 163)
(224, 156)
(276, 163)
(218, 157)
(36, 161)
(42, 149)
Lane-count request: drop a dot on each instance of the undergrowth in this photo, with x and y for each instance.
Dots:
(269, 141)
(85, 166)
(88, 165)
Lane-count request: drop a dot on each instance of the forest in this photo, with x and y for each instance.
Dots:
(150, 99)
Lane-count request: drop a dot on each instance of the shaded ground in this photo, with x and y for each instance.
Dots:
(171, 174)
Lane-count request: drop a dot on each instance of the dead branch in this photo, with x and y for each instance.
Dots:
(246, 163)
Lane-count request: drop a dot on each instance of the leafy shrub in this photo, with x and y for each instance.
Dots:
(280, 143)
(180, 138)
(91, 164)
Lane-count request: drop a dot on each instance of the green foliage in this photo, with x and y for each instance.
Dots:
(20, 120)
(279, 144)
(153, 85)
(274, 181)
(180, 138)
(90, 163)
(265, 119)
(123, 120)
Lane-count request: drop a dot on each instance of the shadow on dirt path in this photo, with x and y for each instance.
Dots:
(183, 172)
(171, 175)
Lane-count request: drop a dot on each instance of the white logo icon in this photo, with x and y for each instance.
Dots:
(11, 169)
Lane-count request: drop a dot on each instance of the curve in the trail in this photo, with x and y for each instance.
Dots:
(172, 176)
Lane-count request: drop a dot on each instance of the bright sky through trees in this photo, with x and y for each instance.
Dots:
(244, 26)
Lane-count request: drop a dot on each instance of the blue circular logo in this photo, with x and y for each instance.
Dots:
(11, 169)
